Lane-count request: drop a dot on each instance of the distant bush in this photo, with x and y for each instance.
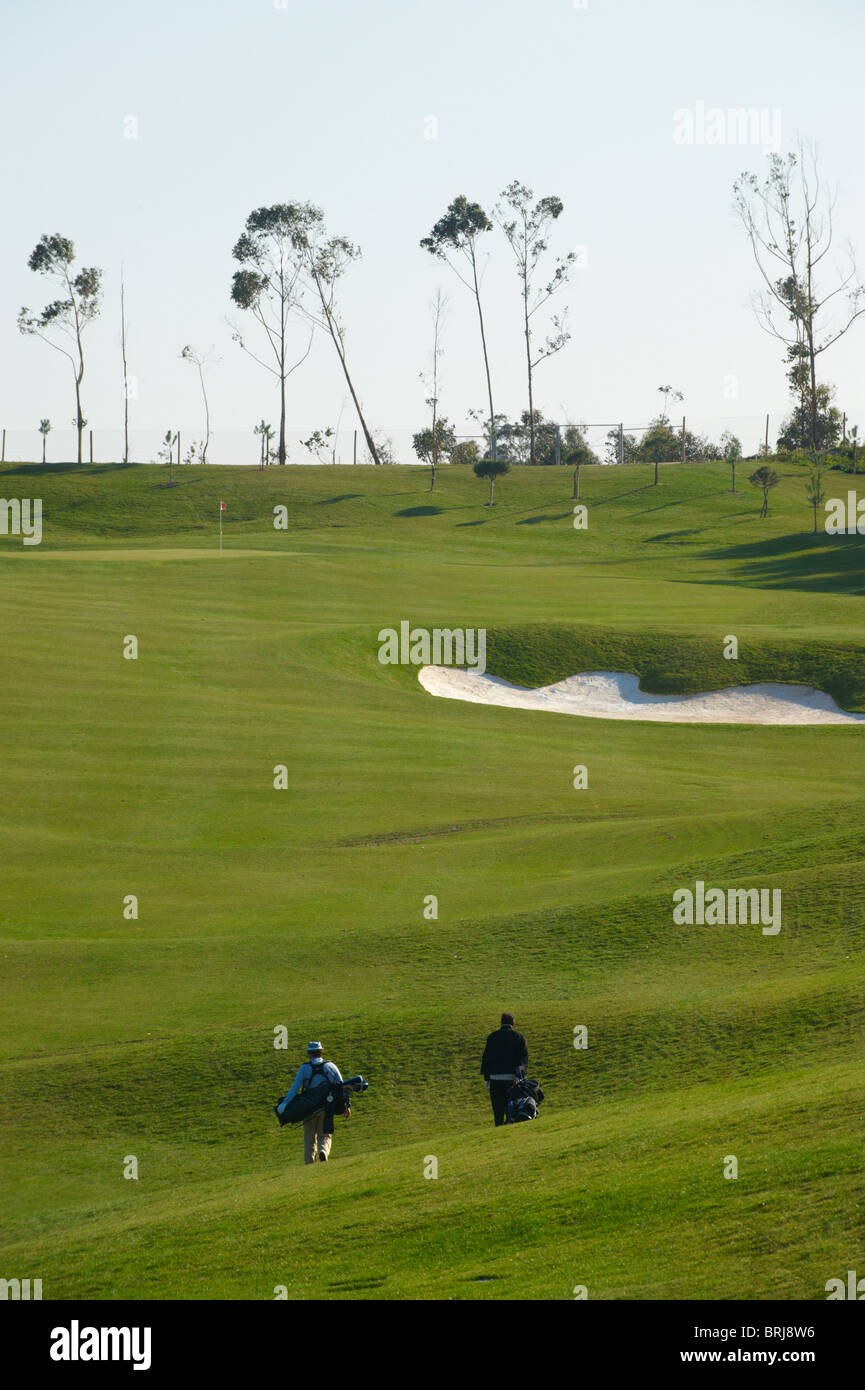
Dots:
(466, 452)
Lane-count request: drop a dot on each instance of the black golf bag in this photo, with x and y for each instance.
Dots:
(327, 1096)
(522, 1100)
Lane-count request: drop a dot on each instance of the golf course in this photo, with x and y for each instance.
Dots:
(145, 1046)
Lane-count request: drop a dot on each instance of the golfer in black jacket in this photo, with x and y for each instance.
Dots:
(505, 1058)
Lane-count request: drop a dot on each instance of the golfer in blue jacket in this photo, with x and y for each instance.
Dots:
(314, 1072)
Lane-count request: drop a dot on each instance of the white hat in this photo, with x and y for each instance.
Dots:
(314, 1047)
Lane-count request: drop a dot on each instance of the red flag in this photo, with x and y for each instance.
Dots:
(222, 506)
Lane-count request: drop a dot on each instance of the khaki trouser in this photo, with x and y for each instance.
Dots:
(315, 1138)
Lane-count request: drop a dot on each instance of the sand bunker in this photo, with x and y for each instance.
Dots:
(615, 695)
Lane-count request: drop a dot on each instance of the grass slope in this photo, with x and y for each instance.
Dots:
(304, 907)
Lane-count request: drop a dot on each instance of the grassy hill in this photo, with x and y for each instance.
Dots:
(305, 907)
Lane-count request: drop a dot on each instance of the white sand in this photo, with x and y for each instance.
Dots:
(614, 695)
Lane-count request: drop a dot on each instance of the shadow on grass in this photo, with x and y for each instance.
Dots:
(341, 497)
(674, 535)
(30, 469)
(420, 511)
(617, 497)
(803, 561)
(533, 520)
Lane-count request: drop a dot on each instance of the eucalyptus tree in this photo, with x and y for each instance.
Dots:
(731, 446)
(659, 435)
(271, 251)
(432, 440)
(455, 239)
(815, 492)
(765, 478)
(527, 228)
(44, 430)
(265, 431)
(322, 445)
(67, 317)
(670, 394)
(577, 453)
(201, 360)
(165, 453)
(431, 443)
(326, 259)
(492, 469)
(125, 367)
(788, 218)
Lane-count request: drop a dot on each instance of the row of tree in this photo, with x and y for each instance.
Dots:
(290, 269)
(764, 478)
(788, 218)
(661, 442)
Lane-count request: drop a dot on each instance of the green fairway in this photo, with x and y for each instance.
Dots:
(304, 907)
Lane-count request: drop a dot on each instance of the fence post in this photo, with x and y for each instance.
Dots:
(178, 448)
(621, 449)
(844, 428)
(558, 445)
(683, 439)
(3, 455)
(91, 446)
(766, 440)
(354, 460)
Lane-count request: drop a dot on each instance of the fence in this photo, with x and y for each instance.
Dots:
(243, 448)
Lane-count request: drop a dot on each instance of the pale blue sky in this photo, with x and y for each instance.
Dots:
(240, 103)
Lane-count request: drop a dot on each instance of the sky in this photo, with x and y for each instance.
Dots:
(147, 133)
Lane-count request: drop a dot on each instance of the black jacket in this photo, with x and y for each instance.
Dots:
(505, 1052)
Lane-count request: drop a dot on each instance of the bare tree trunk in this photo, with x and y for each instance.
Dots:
(432, 481)
(340, 352)
(282, 371)
(281, 448)
(282, 376)
(486, 356)
(125, 374)
(206, 415)
(492, 485)
(529, 368)
(438, 310)
(366, 434)
(812, 357)
(576, 493)
(79, 418)
(79, 371)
